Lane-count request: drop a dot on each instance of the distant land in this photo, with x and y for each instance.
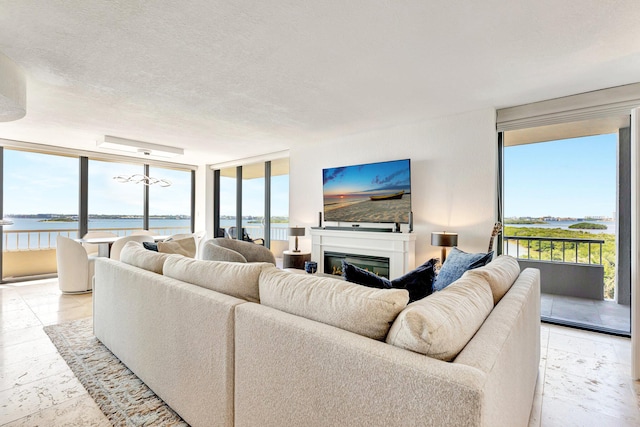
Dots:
(548, 219)
(48, 217)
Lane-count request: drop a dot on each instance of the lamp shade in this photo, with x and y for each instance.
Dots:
(13, 90)
(296, 231)
(442, 238)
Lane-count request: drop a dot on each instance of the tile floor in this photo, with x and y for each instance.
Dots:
(599, 314)
(583, 381)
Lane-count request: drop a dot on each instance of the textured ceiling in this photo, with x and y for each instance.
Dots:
(232, 79)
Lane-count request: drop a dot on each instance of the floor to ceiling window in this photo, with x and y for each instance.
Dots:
(116, 193)
(227, 204)
(169, 200)
(566, 193)
(254, 197)
(40, 200)
(253, 191)
(46, 194)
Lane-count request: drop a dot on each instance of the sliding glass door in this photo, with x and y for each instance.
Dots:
(566, 211)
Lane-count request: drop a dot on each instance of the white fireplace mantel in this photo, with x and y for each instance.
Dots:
(400, 248)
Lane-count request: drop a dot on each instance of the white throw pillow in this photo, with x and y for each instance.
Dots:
(359, 309)
(238, 280)
(500, 273)
(133, 253)
(186, 247)
(441, 324)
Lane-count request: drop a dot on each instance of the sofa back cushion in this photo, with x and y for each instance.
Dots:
(133, 253)
(359, 309)
(500, 273)
(441, 324)
(230, 278)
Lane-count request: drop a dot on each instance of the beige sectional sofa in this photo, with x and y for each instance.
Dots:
(250, 345)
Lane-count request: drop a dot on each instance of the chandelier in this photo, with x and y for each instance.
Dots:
(142, 179)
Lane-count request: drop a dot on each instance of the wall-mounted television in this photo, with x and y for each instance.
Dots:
(372, 192)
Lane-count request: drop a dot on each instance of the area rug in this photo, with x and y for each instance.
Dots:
(122, 397)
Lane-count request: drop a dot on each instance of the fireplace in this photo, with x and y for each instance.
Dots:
(374, 264)
(397, 249)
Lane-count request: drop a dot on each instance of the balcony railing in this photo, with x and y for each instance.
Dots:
(554, 249)
(19, 240)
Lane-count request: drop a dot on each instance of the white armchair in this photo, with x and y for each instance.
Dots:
(197, 236)
(75, 267)
(117, 246)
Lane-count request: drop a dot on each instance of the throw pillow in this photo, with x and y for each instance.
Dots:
(419, 282)
(186, 247)
(152, 246)
(456, 264)
(355, 274)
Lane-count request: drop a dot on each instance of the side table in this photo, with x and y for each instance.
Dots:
(292, 259)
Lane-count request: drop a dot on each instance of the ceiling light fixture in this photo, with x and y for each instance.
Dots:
(140, 147)
(142, 179)
(13, 91)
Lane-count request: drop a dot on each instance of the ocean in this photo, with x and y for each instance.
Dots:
(32, 233)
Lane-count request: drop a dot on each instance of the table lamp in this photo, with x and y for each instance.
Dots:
(296, 231)
(444, 240)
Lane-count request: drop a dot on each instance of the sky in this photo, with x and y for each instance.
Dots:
(40, 183)
(253, 196)
(568, 178)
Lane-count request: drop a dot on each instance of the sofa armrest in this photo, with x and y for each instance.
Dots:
(507, 349)
(175, 336)
(295, 371)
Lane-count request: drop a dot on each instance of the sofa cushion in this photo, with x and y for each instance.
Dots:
(133, 253)
(441, 324)
(500, 273)
(419, 281)
(362, 310)
(456, 264)
(186, 247)
(239, 280)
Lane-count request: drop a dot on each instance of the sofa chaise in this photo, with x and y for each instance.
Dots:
(247, 344)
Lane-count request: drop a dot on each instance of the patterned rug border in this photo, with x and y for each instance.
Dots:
(119, 393)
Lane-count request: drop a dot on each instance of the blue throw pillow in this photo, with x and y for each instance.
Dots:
(152, 246)
(354, 274)
(418, 282)
(456, 264)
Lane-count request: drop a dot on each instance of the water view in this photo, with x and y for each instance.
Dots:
(34, 233)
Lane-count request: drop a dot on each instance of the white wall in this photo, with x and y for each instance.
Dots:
(453, 176)
(204, 200)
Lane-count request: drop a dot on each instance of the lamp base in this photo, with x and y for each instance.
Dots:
(443, 254)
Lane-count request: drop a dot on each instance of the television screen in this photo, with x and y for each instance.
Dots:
(373, 192)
